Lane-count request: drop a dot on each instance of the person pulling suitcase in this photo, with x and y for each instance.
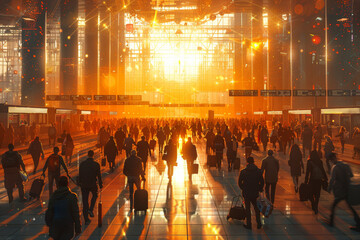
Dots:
(133, 170)
(53, 164)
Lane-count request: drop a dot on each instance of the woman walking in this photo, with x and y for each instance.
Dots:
(341, 135)
(68, 147)
(315, 176)
(296, 164)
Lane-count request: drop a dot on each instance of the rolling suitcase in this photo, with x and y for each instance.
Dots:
(304, 192)
(354, 194)
(36, 188)
(141, 199)
(211, 160)
(237, 210)
(237, 164)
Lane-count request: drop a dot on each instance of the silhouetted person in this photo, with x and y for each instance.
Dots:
(89, 176)
(62, 215)
(270, 165)
(129, 142)
(296, 164)
(190, 155)
(248, 143)
(143, 150)
(12, 162)
(219, 146)
(111, 151)
(53, 164)
(36, 150)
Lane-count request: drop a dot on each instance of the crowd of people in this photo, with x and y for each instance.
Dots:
(137, 139)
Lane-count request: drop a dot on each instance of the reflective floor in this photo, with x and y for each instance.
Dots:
(182, 210)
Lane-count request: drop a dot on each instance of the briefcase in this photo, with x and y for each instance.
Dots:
(195, 168)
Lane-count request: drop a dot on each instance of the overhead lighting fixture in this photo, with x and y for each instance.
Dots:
(342, 19)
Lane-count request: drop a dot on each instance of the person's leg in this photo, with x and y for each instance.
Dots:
(356, 216)
(10, 194)
(248, 212)
(85, 200)
(273, 189)
(94, 193)
(267, 186)
(51, 183)
(317, 196)
(333, 206)
(342, 145)
(257, 212)
(131, 193)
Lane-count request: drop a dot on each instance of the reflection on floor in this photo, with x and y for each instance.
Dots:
(184, 210)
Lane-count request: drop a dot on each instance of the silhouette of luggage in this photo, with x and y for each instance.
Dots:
(237, 164)
(237, 211)
(195, 168)
(211, 160)
(264, 206)
(141, 200)
(304, 192)
(354, 194)
(36, 188)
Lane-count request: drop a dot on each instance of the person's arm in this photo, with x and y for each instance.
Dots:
(45, 166)
(241, 180)
(22, 162)
(263, 166)
(62, 163)
(75, 214)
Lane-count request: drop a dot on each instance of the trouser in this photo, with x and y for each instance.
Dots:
(170, 170)
(161, 147)
(131, 181)
(52, 177)
(317, 143)
(267, 191)
(20, 186)
(219, 157)
(231, 158)
(36, 159)
(190, 168)
(248, 151)
(265, 146)
(315, 187)
(336, 201)
(85, 199)
(248, 212)
(52, 140)
(111, 163)
(128, 152)
(342, 145)
(306, 148)
(296, 181)
(144, 162)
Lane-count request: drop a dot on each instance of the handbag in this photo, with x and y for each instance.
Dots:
(237, 211)
(24, 176)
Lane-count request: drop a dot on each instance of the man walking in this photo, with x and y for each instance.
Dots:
(129, 142)
(53, 164)
(339, 182)
(111, 151)
(248, 143)
(251, 183)
(89, 176)
(62, 215)
(143, 151)
(11, 162)
(36, 150)
(219, 146)
(133, 170)
(270, 165)
(190, 155)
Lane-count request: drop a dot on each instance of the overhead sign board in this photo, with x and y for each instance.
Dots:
(275, 93)
(105, 97)
(309, 93)
(129, 97)
(339, 93)
(243, 93)
(68, 97)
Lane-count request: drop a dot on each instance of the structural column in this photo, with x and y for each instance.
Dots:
(69, 47)
(33, 53)
(91, 47)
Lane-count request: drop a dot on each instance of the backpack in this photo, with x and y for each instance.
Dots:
(61, 210)
(54, 163)
(316, 173)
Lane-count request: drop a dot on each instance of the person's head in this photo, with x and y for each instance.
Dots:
(11, 146)
(270, 152)
(219, 133)
(129, 135)
(314, 155)
(63, 181)
(133, 152)
(332, 158)
(56, 150)
(37, 138)
(143, 138)
(90, 153)
(295, 147)
(111, 138)
(250, 160)
(189, 139)
(248, 134)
